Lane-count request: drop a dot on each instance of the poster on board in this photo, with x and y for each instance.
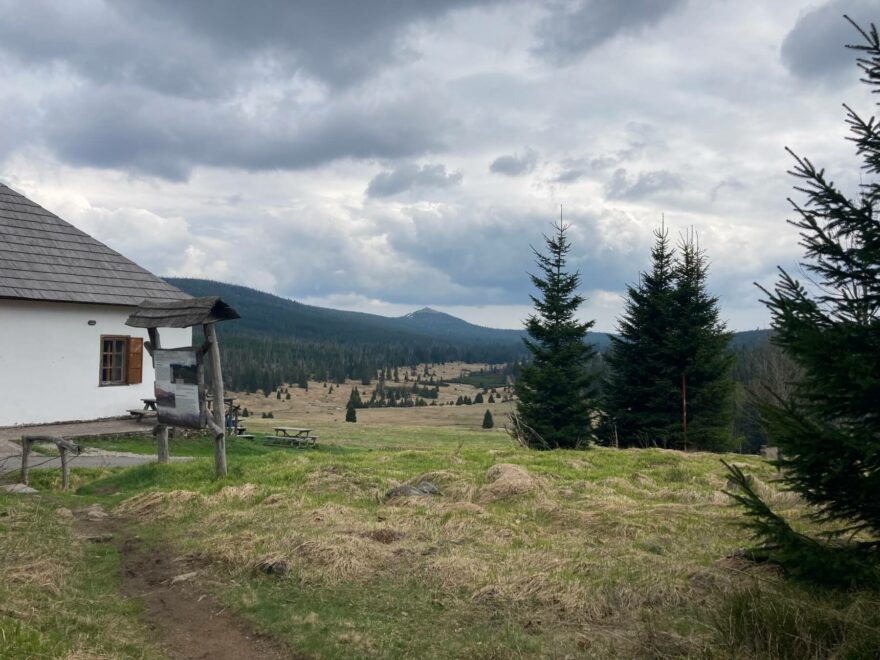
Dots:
(177, 387)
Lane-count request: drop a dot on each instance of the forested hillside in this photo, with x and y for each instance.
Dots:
(279, 340)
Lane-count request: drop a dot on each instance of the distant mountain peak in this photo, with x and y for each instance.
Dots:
(424, 311)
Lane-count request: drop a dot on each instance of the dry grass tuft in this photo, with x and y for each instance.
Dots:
(159, 504)
(341, 557)
(335, 480)
(244, 493)
(644, 480)
(451, 484)
(462, 507)
(384, 535)
(506, 480)
(46, 574)
(335, 516)
(275, 499)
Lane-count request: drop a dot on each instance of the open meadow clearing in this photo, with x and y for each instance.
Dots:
(599, 553)
(325, 403)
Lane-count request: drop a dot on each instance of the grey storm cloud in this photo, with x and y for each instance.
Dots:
(515, 165)
(815, 46)
(571, 30)
(160, 87)
(166, 137)
(731, 184)
(199, 47)
(622, 186)
(570, 175)
(412, 177)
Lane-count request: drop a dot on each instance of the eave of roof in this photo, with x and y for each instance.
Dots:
(181, 313)
(45, 258)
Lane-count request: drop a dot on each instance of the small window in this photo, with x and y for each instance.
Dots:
(113, 353)
(122, 360)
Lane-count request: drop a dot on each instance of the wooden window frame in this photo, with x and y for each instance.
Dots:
(124, 367)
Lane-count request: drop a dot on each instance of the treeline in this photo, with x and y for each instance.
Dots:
(252, 363)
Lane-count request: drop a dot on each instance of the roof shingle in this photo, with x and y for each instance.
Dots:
(42, 257)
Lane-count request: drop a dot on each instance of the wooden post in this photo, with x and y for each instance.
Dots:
(65, 468)
(161, 430)
(162, 453)
(65, 448)
(25, 456)
(219, 426)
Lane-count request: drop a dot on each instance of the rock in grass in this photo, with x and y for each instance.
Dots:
(100, 538)
(274, 564)
(95, 513)
(184, 577)
(21, 489)
(413, 490)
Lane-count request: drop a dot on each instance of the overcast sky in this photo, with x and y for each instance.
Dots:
(386, 155)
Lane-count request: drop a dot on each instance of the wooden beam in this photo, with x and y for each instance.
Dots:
(219, 421)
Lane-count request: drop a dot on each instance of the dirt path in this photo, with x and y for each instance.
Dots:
(188, 622)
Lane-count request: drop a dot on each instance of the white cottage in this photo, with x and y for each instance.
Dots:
(65, 351)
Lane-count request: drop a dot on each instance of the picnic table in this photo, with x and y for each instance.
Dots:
(149, 410)
(227, 400)
(291, 436)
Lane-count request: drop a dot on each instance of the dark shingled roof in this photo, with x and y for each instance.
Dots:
(181, 313)
(42, 257)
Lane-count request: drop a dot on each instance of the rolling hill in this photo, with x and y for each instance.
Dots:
(278, 340)
(267, 315)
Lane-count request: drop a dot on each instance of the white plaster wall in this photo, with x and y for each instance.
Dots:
(50, 357)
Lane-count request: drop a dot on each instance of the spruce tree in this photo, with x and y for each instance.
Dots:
(699, 346)
(354, 399)
(828, 429)
(670, 378)
(488, 422)
(641, 395)
(555, 389)
(350, 413)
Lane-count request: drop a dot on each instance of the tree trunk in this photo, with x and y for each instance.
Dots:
(684, 411)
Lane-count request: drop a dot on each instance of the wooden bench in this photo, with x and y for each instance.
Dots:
(239, 432)
(140, 413)
(289, 436)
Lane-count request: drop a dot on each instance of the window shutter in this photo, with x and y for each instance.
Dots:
(135, 361)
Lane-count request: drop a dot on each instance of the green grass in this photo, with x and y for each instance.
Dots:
(605, 553)
(59, 596)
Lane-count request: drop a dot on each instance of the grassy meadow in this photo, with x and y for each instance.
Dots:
(600, 553)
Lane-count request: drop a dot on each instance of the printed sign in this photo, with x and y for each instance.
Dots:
(177, 387)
